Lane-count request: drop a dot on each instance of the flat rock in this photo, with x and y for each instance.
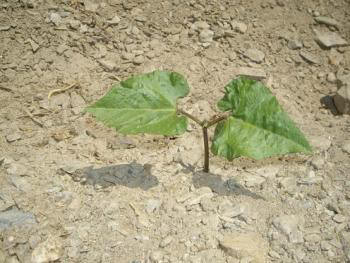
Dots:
(108, 64)
(243, 245)
(48, 251)
(290, 226)
(254, 73)
(5, 28)
(330, 39)
(294, 44)
(200, 26)
(55, 18)
(309, 57)
(239, 26)
(13, 137)
(15, 217)
(254, 55)
(114, 21)
(342, 100)
(206, 36)
(327, 21)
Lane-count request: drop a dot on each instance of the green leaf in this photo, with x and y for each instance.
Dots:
(144, 104)
(258, 127)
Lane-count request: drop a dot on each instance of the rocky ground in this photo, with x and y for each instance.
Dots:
(75, 191)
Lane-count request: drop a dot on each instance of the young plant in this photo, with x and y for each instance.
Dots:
(253, 123)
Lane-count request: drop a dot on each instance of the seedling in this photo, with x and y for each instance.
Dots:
(253, 124)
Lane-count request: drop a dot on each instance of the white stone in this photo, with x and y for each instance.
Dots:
(48, 251)
(254, 55)
(289, 225)
(242, 245)
(255, 73)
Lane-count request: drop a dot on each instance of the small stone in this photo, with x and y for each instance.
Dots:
(14, 217)
(320, 143)
(342, 99)
(166, 241)
(325, 245)
(48, 251)
(13, 137)
(254, 180)
(138, 60)
(55, 18)
(153, 205)
(5, 28)
(239, 27)
(330, 39)
(206, 36)
(331, 78)
(327, 21)
(313, 238)
(318, 163)
(156, 256)
(200, 26)
(242, 245)
(108, 64)
(254, 55)
(76, 100)
(334, 57)
(61, 49)
(74, 24)
(289, 225)
(228, 210)
(114, 21)
(90, 6)
(346, 147)
(254, 73)
(309, 57)
(339, 218)
(33, 45)
(295, 44)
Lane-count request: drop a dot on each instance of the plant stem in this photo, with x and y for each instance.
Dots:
(206, 149)
(190, 116)
(218, 119)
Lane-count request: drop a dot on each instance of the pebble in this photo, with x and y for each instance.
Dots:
(76, 100)
(228, 210)
(166, 241)
(14, 217)
(346, 147)
(342, 99)
(153, 205)
(289, 225)
(5, 28)
(138, 60)
(48, 251)
(200, 26)
(243, 245)
(108, 64)
(334, 57)
(33, 45)
(327, 21)
(295, 44)
(339, 218)
(114, 21)
(331, 78)
(55, 18)
(156, 256)
(13, 137)
(254, 73)
(254, 55)
(74, 24)
(330, 39)
(309, 57)
(90, 6)
(239, 27)
(318, 163)
(206, 36)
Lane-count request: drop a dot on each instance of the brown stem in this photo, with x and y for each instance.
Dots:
(206, 149)
(218, 119)
(190, 116)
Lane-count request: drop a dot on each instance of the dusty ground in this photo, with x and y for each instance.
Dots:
(144, 199)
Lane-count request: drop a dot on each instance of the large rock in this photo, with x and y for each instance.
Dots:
(342, 98)
(243, 245)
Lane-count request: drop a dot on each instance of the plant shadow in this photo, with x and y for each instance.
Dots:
(218, 185)
(133, 175)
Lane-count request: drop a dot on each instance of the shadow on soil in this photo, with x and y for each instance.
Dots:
(131, 175)
(218, 185)
(328, 102)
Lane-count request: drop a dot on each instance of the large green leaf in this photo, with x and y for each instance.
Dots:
(258, 127)
(144, 104)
